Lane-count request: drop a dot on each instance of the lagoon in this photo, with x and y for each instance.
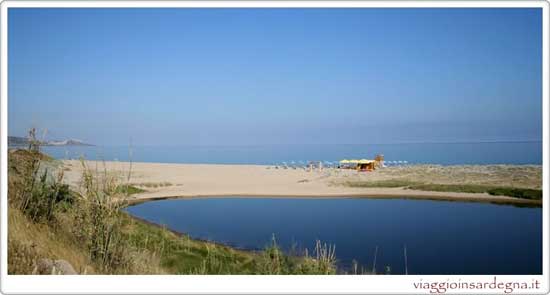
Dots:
(440, 237)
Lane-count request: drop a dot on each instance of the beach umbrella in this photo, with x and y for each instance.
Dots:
(345, 161)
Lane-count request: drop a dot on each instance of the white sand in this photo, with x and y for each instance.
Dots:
(205, 180)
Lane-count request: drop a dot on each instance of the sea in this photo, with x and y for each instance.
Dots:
(471, 153)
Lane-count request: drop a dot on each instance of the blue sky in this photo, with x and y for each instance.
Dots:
(262, 76)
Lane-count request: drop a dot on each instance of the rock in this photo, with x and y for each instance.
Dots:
(64, 267)
(43, 266)
(46, 266)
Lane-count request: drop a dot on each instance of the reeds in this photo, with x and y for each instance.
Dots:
(275, 261)
(272, 261)
(325, 258)
(99, 225)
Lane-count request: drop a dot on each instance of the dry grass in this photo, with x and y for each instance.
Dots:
(29, 241)
(470, 177)
(524, 176)
(518, 181)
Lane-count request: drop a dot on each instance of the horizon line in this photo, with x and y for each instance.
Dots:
(282, 144)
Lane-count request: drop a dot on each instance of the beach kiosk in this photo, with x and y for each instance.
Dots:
(365, 165)
(361, 165)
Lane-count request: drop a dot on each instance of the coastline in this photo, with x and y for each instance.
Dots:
(415, 195)
(170, 181)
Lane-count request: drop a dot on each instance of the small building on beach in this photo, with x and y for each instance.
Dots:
(363, 164)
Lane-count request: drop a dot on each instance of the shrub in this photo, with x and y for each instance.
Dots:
(38, 195)
(46, 197)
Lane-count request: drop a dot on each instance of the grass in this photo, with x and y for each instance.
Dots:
(515, 192)
(179, 254)
(153, 184)
(128, 189)
(531, 194)
(459, 188)
(29, 241)
(381, 183)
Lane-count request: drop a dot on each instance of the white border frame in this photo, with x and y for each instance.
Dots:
(192, 284)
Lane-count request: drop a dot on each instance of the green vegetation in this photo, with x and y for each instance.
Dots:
(523, 193)
(89, 229)
(459, 188)
(381, 183)
(180, 254)
(128, 189)
(153, 184)
(35, 192)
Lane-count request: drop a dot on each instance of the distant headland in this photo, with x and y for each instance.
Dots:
(19, 141)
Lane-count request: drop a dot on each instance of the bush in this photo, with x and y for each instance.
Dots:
(46, 197)
(37, 194)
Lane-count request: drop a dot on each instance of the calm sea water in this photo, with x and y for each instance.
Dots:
(435, 153)
(440, 237)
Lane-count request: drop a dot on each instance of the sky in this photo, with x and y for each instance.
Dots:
(275, 76)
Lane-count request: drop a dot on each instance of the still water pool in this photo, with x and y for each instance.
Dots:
(440, 237)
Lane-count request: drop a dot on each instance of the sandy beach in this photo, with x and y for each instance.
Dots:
(163, 180)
